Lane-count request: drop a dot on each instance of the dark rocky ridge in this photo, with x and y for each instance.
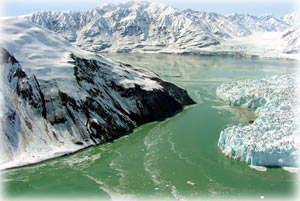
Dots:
(106, 111)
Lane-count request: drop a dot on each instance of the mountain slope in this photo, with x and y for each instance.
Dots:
(292, 19)
(151, 27)
(57, 98)
(259, 24)
(292, 40)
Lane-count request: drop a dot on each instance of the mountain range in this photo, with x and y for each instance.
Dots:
(156, 27)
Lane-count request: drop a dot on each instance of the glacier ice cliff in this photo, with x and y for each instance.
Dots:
(57, 98)
(273, 138)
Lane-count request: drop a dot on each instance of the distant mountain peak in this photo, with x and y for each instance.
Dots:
(153, 27)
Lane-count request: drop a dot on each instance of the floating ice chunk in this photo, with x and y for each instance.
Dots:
(191, 183)
(292, 169)
(273, 138)
(258, 168)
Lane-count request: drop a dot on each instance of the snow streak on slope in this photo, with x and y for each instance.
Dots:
(273, 139)
(57, 98)
(154, 27)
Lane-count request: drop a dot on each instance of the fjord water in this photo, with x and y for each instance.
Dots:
(173, 158)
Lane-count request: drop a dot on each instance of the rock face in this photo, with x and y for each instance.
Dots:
(68, 99)
(152, 27)
(273, 138)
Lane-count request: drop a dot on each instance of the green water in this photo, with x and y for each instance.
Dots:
(176, 158)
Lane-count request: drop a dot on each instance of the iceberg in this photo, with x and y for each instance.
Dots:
(273, 138)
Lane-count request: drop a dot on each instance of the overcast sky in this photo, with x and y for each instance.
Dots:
(257, 7)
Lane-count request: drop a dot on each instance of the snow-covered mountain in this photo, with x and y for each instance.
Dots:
(292, 40)
(292, 35)
(259, 24)
(153, 27)
(292, 19)
(57, 98)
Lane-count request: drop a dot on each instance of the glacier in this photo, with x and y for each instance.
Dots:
(57, 98)
(150, 27)
(273, 138)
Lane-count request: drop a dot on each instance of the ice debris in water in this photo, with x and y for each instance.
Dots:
(191, 183)
(273, 138)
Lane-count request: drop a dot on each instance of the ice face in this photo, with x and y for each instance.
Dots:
(273, 138)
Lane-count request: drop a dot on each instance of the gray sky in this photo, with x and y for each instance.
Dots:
(257, 7)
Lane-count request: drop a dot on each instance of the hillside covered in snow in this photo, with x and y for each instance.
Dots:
(155, 27)
(57, 98)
